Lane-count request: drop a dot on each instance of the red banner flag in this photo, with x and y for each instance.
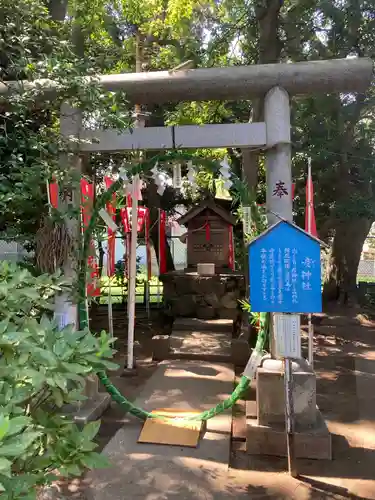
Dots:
(111, 256)
(310, 222)
(126, 218)
(53, 194)
(87, 198)
(148, 244)
(231, 248)
(162, 243)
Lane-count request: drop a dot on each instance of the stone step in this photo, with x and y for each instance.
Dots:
(214, 358)
(212, 325)
(200, 345)
(198, 341)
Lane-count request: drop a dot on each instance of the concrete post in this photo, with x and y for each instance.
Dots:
(278, 160)
(278, 156)
(65, 311)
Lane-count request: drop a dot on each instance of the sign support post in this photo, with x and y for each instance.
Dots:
(289, 416)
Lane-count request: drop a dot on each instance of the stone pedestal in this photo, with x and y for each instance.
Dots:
(190, 295)
(266, 419)
(94, 406)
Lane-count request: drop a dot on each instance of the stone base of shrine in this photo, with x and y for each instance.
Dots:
(190, 295)
(266, 416)
(315, 443)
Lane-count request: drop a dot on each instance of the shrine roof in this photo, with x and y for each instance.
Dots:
(291, 224)
(206, 205)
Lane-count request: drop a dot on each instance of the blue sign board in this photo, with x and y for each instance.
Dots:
(285, 272)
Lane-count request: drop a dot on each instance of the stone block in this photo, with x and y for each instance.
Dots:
(160, 347)
(216, 325)
(207, 312)
(207, 269)
(240, 351)
(271, 397)
(315, 443)
(230, 300)
(93, 408)
(231, 314)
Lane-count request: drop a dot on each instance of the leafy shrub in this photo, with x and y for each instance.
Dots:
(41, 370)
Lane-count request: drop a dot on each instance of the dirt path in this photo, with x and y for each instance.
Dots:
(345, 367)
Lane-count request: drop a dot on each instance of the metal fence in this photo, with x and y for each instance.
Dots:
(366, 270)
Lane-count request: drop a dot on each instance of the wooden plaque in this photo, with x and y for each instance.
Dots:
(172, 431)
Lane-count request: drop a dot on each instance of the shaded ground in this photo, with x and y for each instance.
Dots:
(345, 366)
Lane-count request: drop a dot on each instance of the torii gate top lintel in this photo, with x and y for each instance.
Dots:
(235, 82)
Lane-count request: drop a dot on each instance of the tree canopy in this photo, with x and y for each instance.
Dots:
(64, 40)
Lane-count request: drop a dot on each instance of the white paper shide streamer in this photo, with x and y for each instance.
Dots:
(225, 174)
(123, 174)
(177, 178)
(246, 220)
(191, 176)
(159, 180)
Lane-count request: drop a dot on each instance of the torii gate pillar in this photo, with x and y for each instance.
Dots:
(265, 424)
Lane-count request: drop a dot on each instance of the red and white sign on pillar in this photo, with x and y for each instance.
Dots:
(87, 199)
(111, 255)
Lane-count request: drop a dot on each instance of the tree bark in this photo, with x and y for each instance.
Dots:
(57, 9)
(341, 274)
(267, 16)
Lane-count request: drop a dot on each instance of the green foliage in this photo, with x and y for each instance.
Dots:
(33, 46)
(42, 369)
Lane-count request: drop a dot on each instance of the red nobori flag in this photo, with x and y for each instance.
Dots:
(87, 199)
(53, 194)
(310, 222)
(111, 257)
(148, 244)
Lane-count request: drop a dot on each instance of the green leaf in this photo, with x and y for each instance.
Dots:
(73, 470)
(44, 355)
(76, 368)
(90, 431)
(17, 445)
(4, 425)
(95, 461)
(5, 467)
(17, 424)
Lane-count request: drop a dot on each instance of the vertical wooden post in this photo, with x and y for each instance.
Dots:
(139, 122)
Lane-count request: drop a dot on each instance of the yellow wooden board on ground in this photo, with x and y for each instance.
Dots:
(174, 432)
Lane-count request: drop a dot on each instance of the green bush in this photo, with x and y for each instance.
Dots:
(41, 370)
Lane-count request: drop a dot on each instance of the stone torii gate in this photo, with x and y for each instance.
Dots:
(276, 82)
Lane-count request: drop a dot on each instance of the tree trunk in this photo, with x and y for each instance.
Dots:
(341, 274)
(57, 9)
(267, 15)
